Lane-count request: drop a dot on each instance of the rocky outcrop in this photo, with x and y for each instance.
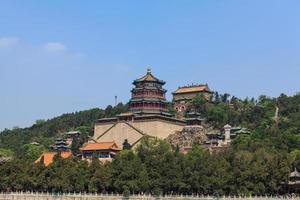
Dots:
(189, 136)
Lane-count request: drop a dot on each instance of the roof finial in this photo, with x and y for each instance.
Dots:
(149, 71)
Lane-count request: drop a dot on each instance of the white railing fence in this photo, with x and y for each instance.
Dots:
(96, 196)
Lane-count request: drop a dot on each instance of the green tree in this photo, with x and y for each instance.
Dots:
(75, 147)
(125, 172)
(126, 145)
(199, 104)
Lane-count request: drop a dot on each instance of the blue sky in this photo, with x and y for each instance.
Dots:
(64, 56)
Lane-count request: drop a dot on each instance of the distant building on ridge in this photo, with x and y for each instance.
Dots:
(72, 135)
(184, 95)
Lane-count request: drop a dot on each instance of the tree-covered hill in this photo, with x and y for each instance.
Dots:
(258, 115)
(256, 163)
(273, 120)
(45, 131)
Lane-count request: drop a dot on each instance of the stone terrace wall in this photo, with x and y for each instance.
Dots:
(40, 196)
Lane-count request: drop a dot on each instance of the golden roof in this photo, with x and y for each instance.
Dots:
(149, 77)
(125, 114)
(100, 146)
(48, 157)
(190, 89)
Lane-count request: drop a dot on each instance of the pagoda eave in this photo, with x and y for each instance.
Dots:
(154, 100)
(149, 81)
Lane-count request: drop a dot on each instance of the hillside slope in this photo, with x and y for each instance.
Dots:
(44, 132)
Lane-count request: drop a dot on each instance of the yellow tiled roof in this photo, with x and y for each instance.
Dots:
(49, 156)
(148, 77)
(189, 89)
(100, 146)
(125, 114)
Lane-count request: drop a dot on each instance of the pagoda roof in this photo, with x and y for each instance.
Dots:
(149, 78)
(227, 126)
(192, 89)
(73, 133)
(60, 141)
(193, 115)
(60, 146)
(125, 114)
(295, 173)
(148, 89)
(149, 99)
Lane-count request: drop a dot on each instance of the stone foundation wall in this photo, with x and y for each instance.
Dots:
(118, 133)
(134, 130)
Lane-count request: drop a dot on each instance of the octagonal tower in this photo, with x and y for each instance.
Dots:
(148, 96)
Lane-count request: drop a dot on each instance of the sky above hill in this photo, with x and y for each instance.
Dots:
(64, 56)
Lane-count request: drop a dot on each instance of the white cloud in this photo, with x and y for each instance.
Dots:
(55, 47)
(7, 42)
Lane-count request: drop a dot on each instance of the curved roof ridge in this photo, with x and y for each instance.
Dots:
(193, 88)
(149, 77)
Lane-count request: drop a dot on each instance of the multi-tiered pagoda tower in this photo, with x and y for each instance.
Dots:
(60, 145)
(148, 96)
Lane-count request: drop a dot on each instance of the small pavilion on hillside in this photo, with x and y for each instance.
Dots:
(59, 148)
(293, 185)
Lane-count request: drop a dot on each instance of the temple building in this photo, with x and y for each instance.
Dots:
(104, 151)
(60, 148)
(184, 95)
(148, 115)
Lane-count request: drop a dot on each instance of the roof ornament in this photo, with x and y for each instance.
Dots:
(149, 71)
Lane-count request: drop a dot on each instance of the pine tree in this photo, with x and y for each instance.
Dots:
(126, 145)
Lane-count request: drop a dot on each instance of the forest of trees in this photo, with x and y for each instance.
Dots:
(256, 163)
(155, 168)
